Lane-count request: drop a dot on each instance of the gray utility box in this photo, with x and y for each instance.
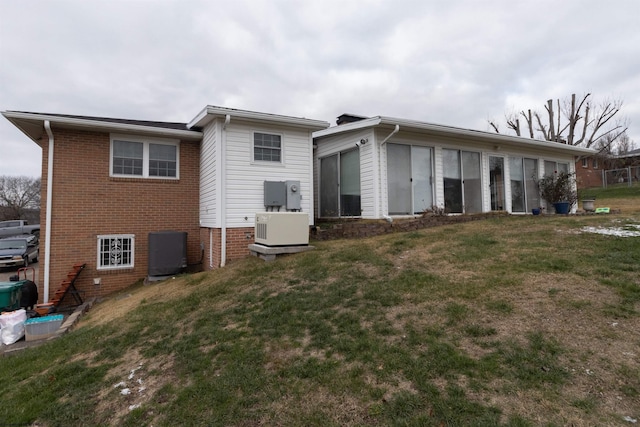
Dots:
(275, 194)
(282, 193)
(167, 253)
(293, 195)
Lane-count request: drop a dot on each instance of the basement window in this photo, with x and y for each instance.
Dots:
(144, 158)
(115, 251)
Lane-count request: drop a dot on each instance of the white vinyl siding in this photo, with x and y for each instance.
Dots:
(245, 177)
(209, 178)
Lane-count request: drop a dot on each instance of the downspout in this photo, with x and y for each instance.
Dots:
(223, 193)
(384, 141)
(395, 130)
(47, 249)
(211, 249)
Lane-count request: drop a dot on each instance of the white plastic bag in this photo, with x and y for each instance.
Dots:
(12, 326)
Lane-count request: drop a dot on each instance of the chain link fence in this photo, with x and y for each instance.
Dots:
(628, 176)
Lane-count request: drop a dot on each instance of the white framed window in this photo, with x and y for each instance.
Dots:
(551, 167)
(595, 163)
(585, 163)
(267, 147)
(116, 251)
(144, 157)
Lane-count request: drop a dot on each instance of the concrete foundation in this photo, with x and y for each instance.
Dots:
(269, 254)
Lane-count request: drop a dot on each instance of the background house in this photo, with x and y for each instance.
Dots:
(381, 166)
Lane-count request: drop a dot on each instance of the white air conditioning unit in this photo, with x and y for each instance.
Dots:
(282, 228)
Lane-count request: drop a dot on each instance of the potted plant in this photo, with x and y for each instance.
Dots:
(588, 200)
(559, 189)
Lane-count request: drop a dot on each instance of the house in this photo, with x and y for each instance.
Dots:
(384, 167)
(108, 184)
(602, 170)
(589, 171)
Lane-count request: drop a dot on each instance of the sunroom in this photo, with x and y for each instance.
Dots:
(382, 167)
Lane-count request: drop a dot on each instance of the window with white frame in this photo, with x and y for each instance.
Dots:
(267, 147)
(115, 251)
(144, 158)
(585, 163)
(595, 163)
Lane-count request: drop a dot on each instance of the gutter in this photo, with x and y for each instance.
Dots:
(223, 193)
(47, 253)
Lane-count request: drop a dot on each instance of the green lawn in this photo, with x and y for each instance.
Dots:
(519, 321)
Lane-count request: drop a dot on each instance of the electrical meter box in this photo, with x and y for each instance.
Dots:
(282, 194)
(293, 195)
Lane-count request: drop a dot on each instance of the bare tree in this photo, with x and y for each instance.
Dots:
(625, 144)
(18, 194)
(573, 122)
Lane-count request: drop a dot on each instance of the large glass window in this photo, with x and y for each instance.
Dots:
(524, 191)
(350, 183)
(496, 183)
(409, 179)
(462, 181)
(340, 184)
(452, 181)
(551, 167)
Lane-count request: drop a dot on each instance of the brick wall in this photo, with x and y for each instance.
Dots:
(87, 203)
(588, 177)
(238, 240)
(345, 229)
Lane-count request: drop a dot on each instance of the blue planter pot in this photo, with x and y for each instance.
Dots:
(535, 211)
(561, 208)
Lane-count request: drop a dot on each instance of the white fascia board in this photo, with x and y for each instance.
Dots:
(485, 136)
(450, 131)
(78, 123)
(210, 112)
(360, 124)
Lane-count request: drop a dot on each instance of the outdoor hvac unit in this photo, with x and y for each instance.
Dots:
(167, 253)
(282, 228)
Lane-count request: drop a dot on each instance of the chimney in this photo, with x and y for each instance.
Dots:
(349, 118)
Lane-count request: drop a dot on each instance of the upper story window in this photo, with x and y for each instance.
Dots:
(585, 163)
(144, 158)
(267, 147)
(595, 163)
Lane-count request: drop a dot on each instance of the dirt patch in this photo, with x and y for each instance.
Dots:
(135, 382)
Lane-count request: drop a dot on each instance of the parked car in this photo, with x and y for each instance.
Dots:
(17, 227)
(19, 250)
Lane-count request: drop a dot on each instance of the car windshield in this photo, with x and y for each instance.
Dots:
(13, 244)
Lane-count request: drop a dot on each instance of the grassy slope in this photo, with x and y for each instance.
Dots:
(509, 321)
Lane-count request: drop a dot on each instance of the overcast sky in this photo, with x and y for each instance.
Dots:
(448, 62)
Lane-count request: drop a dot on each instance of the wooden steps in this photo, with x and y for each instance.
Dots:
(67, 286)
